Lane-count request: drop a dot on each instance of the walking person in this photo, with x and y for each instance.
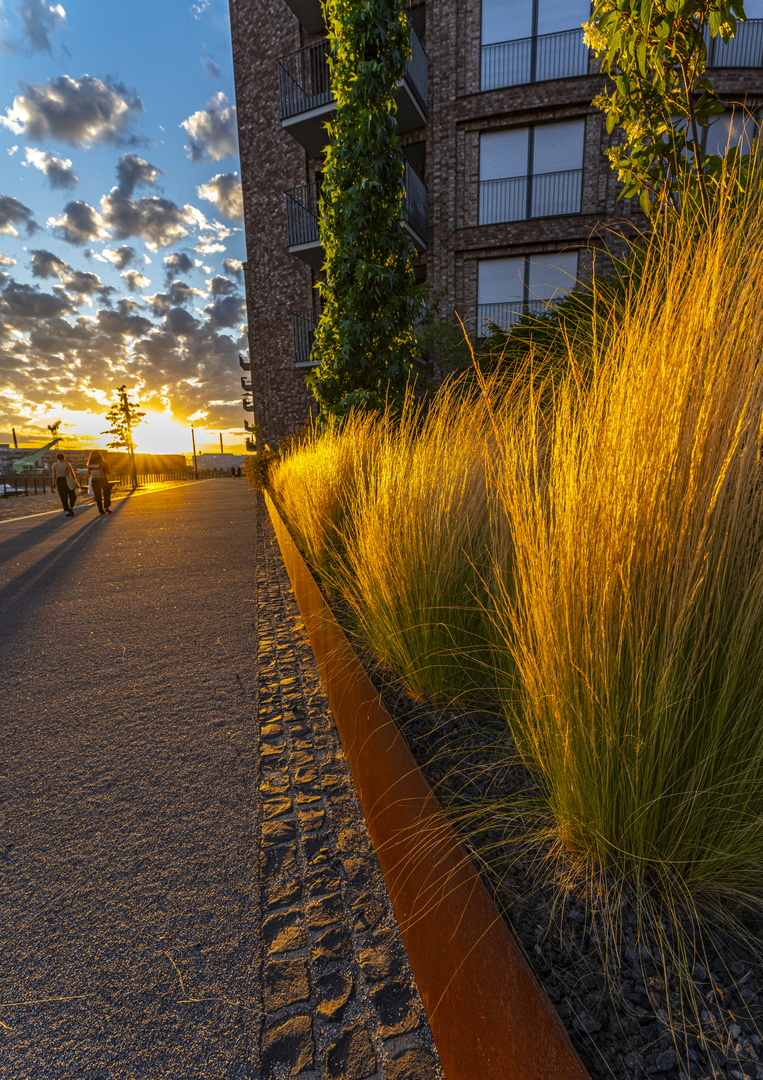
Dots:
(66, 483)
(98, 471)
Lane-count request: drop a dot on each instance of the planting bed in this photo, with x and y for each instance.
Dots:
(615, 1010)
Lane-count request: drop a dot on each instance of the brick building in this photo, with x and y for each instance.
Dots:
(508, 193)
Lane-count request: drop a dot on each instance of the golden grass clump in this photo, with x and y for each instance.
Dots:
(633, 612)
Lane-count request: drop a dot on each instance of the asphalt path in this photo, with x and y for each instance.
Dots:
(128, 780)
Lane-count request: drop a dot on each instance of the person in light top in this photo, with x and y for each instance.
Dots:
(65, 479)
(98, 471)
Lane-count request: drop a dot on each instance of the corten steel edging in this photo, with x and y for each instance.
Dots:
(489, 1016)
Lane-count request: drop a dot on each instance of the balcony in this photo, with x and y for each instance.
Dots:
(246, 365)
(302, 218)
(307, 102)
(743, 51)
(251, 446)
(518, 198)
(309, 13)
(302, 228)
(247, 405)
(247, 386)
(534, 59)
(250, 427)
(303, 325)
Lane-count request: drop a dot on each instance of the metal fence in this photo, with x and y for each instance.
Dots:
(39, 484)
(304, 79)
(534, 59)
(745, 50)
(541, 195)
(302, 214)
(303, 326)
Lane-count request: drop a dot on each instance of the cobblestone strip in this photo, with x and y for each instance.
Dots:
(340, 1001)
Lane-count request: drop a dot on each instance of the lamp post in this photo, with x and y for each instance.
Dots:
(195, 465)
(221, 443)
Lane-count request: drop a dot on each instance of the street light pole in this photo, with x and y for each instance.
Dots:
(221, 443)
(195, 466)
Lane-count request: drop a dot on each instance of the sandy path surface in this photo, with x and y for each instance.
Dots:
(128, 780)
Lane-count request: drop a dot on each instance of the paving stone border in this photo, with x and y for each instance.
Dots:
(340, 1001)
(489, 1016)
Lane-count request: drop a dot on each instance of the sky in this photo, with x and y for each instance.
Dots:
(121, 231)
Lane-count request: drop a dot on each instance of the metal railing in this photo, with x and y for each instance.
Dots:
(304, 79)
(534, 59)
(303, 325)
(506, 314)
(517, 198)
(743, 51)
(302, 214)
(40, 484)
(417, 71)
(415, 202)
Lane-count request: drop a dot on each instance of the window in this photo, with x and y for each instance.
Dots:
(532, 40)
(507, 287)
(728, 129)
(531, 172)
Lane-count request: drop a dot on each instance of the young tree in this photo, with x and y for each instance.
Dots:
(123, 416)
(365, 340)
(655, 52)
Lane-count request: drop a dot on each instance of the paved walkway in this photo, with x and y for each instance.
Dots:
(186, 886)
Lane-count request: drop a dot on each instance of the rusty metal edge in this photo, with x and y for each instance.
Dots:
(489, 1016)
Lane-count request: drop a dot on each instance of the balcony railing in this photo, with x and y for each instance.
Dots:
(246, 386)
(304, 79)
(506, 313)
(743, 51)
(303, 326)
(520, 197)
(302, 215)
(534, 59)
(416, 71)
(415, 213)
(247, 405)
(245, 364)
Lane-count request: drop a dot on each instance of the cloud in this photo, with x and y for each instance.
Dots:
(180, 293)
(157, 221)
(212, 132)
(120, 257)
(227, 312)
(221, 286)
(224, 190)
(77, 112)
(45, 264)
(13, 213)
(211, 67)
(6, 260)
(177, 263)
(81, 285)
(132, 172)
(179, 321)
(23, 302)
(78, 224)
(235, 267)
(38, 21)
(135, 280)
(58, 170)
(199, 8)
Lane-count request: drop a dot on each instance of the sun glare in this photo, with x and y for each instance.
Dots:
(161, 433)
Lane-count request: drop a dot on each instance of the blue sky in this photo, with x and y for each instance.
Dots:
(121, 233)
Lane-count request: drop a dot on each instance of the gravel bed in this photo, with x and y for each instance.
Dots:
(614, 1003)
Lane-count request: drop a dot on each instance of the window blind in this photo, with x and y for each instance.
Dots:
(506, 20)
(552, 276)
(554, 16)
(557, 147)
(503, 153)
(500, 280)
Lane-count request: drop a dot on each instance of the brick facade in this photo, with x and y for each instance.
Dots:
(272, 162)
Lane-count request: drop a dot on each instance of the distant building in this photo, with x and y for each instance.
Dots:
(508, 191)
